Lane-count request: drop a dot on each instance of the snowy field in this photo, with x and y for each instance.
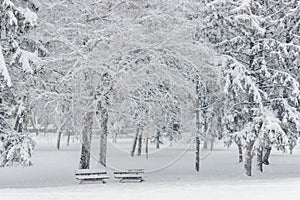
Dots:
(170, 174)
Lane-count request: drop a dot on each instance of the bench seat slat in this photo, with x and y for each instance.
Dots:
(90, 177)
(128, 176)
(90, 171)
(128, 172)
(89, 174)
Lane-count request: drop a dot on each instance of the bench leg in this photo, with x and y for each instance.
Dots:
(91, 181)
(121, 180)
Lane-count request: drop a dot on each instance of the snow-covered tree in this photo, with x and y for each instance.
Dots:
(18, 61)
(88, 40)
(16, 148)
(262, 93)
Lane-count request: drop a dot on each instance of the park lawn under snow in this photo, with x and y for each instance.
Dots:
(170, 174)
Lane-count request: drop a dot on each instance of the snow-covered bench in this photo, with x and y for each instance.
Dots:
(130, 175)
(85, 175)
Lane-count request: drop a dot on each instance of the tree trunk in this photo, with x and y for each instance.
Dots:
(1, 107)
(267, 155)
(18, 124)
(197, 164)
(197, 160)
(239, 145)
(140, 141)
(135, 141)
(68, 138)
(147, 148)
(212, 142)
(157, 139)
(33, 125)
(46, 125)
(115, 136)
(260, 158)
(58, 139)
(103, 137)
(249, 156)
(86, 141)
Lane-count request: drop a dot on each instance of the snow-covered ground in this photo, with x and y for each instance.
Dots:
(172, 190)
(170, 174)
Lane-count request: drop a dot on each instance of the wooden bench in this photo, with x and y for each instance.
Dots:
(85, 175)
(130, 175)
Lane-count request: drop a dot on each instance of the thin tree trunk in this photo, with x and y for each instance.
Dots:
(135, 141)
(240, 153)
(26, 121)
(240, 149)
(197, 139)
(68, 138)
(291, 147)
(46, 125)
(140, 142)
(58, 139)
(197, 164)
(260, 158)
(157, 139)
(115, 136)
(86, 141)
(103, 137)
(33, 125)
(1, 107)
(249, 156)
(267, 155)
(147, 148)
(250, 145)
(18, 125)
(212, 142)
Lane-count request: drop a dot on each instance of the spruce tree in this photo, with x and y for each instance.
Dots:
(259, 44)
(17, 50)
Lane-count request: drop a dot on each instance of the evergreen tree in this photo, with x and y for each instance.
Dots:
(17, 50)
(262, 93)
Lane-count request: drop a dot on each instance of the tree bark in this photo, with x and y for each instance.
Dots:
(86, 141)
(260, 158)
(58, 139)
(135, 141)
(115, 135)
(197, 139)
(103, 137)
(267, 155)
(68, 138)
(157, 139)
(239, 145)
(147, 147)
(197, 164)
(88, 121)
(249, 156)
(18, 124)
(240, 153)
(212, 142)
(140, 141)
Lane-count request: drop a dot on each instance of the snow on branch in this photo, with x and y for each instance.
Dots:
(3, 69)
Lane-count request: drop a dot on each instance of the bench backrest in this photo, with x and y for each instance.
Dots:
(89, 171)
(130, 171)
